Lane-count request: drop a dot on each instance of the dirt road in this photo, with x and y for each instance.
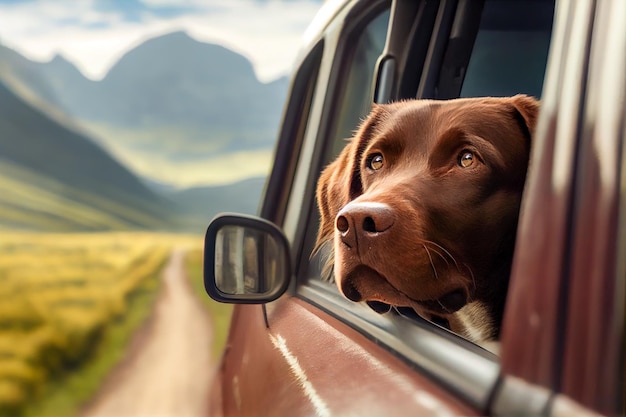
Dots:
(168, 369)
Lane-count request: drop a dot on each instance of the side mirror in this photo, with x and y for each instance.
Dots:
(246, 260)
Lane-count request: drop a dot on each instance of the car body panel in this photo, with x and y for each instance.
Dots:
(563, 327)
(537, 277)
(591, 362)
(563, 332)
(355, 376)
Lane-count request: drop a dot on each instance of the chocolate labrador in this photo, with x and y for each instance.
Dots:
(420, 209)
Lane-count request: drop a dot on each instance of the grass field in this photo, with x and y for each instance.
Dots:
(70, 303)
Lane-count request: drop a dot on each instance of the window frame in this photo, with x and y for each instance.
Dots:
(295, 121)
(446, 22)
(463, 368)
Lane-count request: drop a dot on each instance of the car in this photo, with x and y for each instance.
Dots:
(296, 347)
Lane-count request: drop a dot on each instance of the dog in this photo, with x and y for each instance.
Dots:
(420, 209)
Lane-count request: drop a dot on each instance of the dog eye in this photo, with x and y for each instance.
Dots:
(466, 159)
(375, 161)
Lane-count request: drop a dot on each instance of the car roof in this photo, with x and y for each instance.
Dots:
(318, 25)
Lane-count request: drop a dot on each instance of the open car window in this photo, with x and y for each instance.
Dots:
(465, 369)
(505, 50)
(490, 39)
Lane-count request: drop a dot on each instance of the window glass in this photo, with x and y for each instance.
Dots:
(355, 104)
(357, 98)
(294, 126)
(508, 56)
(511, 49)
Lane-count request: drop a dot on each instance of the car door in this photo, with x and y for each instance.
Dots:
(301, 355)
(311, 352)
(292, 356)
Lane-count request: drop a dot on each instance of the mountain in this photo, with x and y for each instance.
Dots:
(174, 79)
(169, 80)
(68, 84)
(26, 76)
(171, 99)
(51, 175)
(201, 204)
(212, 200)
(72, 150)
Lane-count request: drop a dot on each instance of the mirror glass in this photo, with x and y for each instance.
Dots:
(247, 261)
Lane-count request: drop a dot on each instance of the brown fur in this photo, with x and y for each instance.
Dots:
(423, 231)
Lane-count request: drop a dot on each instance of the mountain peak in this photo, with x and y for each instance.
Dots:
(60, 64)
(177, 42)
(58, 58)
(178, 53)
(177, 34)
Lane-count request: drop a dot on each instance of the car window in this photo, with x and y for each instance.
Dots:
(357, 99)
(507, 55)
(353, 106)
(427, 346)
(511, 49)
(295, 122)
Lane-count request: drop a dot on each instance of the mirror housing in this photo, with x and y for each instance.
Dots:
(246, 260)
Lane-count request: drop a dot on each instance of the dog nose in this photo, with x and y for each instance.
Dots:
(364, 219)
(350, 290)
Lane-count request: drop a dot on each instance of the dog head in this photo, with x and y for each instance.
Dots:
(420, 208)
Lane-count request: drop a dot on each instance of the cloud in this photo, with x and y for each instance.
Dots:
(93, 34)
(136, 10)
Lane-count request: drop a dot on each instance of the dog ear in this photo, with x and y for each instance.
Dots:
(527, 111)
(340, 182)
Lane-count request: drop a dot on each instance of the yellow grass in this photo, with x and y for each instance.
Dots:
(59, 294)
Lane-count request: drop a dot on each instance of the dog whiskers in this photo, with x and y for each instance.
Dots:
(325, 255)
(440, 255)
(431, 261)
(445, 255)
(445, 251)
(471, 275)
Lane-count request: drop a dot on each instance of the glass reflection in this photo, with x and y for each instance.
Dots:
(247, 261)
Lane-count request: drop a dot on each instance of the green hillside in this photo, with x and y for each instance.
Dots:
(31, 201)
(52, 178)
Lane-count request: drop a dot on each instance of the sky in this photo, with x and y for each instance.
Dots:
(94, 34)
